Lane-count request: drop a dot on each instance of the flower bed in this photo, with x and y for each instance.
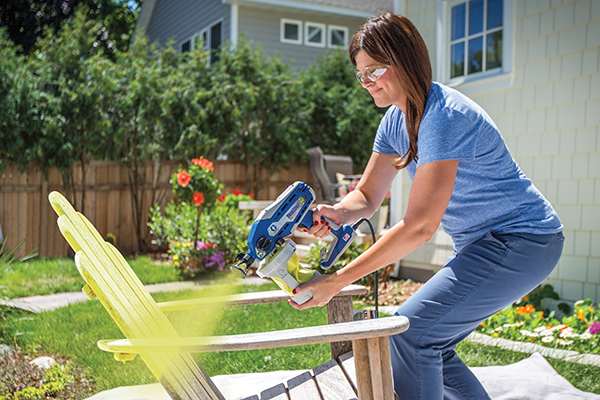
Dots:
(578, 332)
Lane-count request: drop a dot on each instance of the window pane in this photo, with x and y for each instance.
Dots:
(338, 37)
(185, 47)
(494, 14)
(458, 60)
(475, 55)
(458, 21)
(291, 31)
(215, 42)
(494, 50)
(475, 16)
(315, 34)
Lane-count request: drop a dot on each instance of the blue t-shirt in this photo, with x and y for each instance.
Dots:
(491, 193)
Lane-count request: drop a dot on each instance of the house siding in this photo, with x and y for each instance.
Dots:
(264, 29)
(550, 120)
(178, 20)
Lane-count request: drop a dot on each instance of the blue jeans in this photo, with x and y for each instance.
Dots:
(482, 279)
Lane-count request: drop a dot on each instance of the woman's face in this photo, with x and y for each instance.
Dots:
(386, 90)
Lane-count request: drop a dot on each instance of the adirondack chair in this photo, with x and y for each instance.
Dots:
(150, 334)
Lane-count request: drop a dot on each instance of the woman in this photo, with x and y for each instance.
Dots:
(506, 236)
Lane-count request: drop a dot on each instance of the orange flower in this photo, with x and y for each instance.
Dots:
(203, 163)
(528, 309)
(198, 198)
(183, 178)
(580, 315)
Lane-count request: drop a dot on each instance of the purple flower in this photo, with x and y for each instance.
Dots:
(595, 327)
(215, 259)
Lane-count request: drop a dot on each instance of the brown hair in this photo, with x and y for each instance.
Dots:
(392, 39)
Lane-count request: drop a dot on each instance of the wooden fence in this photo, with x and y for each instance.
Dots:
(25, 212)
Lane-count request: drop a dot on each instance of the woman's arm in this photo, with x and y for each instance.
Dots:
(364, 200)
(429, 196)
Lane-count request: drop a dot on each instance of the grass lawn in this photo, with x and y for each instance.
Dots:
(73, 331)
(40, 276)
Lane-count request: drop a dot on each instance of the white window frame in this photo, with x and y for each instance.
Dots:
(190, 39)
(337, 28)
(282, 37)
(307, 26)
(497, 78)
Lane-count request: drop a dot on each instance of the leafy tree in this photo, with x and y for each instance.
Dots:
(342, 116)
(135, 114)
(187, 133)
(255, 111)
(28, 21)
(74, 129)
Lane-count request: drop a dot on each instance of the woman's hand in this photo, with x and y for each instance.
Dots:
(324, 287)
(321, 227)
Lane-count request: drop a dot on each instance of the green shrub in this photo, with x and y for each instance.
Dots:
(222, 233)
(232, 200)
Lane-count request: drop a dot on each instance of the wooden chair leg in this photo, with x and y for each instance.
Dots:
(373, 369)
(339, 309)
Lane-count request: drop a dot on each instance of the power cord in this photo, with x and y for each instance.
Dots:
(376, 273)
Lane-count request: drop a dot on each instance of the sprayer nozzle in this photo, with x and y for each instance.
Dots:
(241, 264)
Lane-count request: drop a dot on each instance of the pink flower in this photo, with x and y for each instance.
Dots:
(595, 327)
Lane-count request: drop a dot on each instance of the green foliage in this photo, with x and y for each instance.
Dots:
(231, 201)
(255, 110)
(187, 236)
(28, 21)
(341, 115)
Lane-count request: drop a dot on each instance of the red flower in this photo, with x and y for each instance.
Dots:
(251, 195)
(237, 193)
(222, 197)
(196, 161)
(198, 198)
(183, 178)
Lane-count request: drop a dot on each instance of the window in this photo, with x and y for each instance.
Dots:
(337, 36)
(216, 39)
(475, 43)
(211, 39)
(291, 31)
(314, 34)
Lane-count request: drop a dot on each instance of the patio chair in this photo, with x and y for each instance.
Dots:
(151, 335)
(324, 168)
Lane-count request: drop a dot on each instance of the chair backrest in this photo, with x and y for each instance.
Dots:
(110, 278)
(337, 164)
(324, 168)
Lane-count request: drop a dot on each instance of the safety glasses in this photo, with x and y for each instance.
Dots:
(371, 74)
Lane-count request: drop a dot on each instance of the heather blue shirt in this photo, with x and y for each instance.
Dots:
(491, 193)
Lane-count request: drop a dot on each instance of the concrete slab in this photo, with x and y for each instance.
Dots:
(233, 387)
(37, 304)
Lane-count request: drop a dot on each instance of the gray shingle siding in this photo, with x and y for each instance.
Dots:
(179, 20)
(264, 29)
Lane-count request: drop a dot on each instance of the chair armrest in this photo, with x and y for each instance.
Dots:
(273, 296)
(355, 330)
